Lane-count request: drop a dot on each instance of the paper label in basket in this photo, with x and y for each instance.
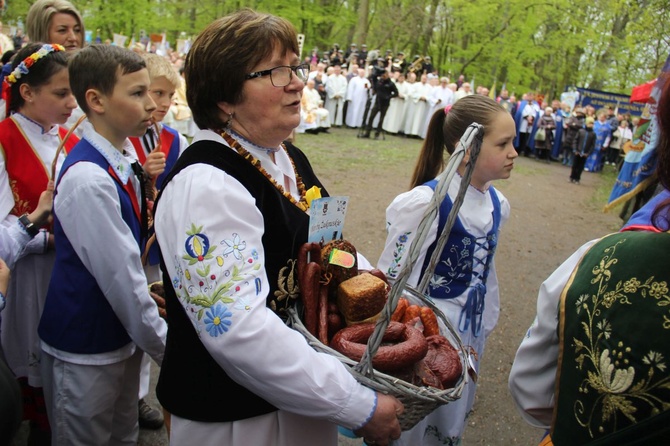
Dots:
(326, 219)
(341, 258)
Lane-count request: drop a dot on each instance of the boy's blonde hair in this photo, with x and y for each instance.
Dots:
(159, 66)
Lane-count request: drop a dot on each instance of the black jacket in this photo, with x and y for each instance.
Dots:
(585, 142)
(385, 90)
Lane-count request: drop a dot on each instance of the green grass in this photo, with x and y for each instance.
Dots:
(604, 188)
(343, 150)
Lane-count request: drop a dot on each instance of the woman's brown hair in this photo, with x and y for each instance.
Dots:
(221, 56)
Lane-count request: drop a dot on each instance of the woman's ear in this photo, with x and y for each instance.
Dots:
(26, 92)
(226, 108)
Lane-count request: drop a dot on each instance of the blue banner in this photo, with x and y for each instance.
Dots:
(601, 99)
(641, 156)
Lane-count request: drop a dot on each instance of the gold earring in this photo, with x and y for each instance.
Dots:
(230, 120)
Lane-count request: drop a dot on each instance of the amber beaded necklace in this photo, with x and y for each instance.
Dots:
(302, 204)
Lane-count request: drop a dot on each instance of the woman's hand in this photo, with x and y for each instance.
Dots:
(42, 213)
(5, 275)
(383, 426)
(154, 164)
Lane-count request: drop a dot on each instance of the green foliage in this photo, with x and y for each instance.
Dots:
(542, 45)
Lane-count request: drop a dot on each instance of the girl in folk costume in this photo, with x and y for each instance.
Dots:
(39, 102)
(464, 285)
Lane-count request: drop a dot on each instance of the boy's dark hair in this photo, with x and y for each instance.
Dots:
(99, 66)
(7, 56)
(39, 73)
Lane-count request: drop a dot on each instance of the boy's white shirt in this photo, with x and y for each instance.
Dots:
(88, 208)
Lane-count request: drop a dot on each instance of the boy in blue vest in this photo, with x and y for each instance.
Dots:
(157, 150)
(98, 317)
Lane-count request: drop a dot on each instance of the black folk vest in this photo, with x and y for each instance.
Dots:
(286, 228)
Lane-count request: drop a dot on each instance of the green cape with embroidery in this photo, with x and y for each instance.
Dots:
(614, 332)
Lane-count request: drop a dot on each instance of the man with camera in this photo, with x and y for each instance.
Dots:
(384, 90)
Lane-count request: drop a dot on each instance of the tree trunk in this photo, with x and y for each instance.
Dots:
(429, 26)
(361, 33)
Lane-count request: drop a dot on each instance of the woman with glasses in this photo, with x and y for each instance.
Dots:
(229, 222)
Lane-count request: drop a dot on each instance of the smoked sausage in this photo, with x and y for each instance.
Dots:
(408, 345)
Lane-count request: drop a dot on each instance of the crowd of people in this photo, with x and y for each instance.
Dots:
(353, 92)
(385, 93)
(128, 243)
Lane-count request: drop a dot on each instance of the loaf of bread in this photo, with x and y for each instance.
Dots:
(361, 297)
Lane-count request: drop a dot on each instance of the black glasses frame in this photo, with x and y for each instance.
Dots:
(294, 70)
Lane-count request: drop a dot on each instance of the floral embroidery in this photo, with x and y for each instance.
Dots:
(216, 320)
(434, 431)
(608, 371)
(287, 284)
(462, 267)
(235, 246)
(20, 206)
(398, 253)
(209, 285)
(655, 359)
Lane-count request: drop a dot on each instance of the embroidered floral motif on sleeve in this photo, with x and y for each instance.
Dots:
(398, 253)
(210, 285)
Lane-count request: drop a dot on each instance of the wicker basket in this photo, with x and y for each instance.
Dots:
(419, 401)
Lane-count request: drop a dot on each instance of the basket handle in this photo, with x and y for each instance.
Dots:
(54, 163)
(472, 139)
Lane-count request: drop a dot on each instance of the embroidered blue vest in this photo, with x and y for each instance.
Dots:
(77, 318)
(455, 271)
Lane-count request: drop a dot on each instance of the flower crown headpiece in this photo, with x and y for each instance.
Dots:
(24, 67)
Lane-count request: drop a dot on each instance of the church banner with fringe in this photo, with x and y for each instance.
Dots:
(601, 99)
(639, 166)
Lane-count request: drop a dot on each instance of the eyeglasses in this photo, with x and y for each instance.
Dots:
(282, 75)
